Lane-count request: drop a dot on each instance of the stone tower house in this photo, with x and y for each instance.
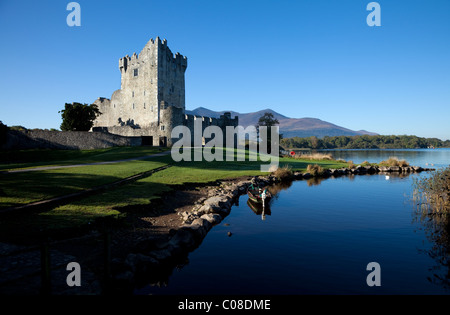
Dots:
(151, 99)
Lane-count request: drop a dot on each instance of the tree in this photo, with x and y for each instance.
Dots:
(268, 120)
(3, 133)
(78, 117)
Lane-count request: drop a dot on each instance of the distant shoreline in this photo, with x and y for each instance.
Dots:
(365, 142)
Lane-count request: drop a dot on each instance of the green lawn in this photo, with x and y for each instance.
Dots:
(23, 159)
(22, 188)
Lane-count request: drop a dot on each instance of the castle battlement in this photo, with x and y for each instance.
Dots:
(161, 49)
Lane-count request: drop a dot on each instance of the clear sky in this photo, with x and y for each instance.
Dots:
(301, 58)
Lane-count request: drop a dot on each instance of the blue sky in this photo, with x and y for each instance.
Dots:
(308, 58)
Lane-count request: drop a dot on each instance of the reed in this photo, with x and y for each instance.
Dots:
(394, 161)
(314, 170)
(283, 173)
(432, 193)
(314, 156)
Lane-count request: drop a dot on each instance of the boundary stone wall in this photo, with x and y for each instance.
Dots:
(66, 140)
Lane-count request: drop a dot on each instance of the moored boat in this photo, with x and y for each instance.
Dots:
(259, 195)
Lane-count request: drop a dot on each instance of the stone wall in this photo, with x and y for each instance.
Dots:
(67, 140)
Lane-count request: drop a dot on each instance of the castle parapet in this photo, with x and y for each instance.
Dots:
(124, 63)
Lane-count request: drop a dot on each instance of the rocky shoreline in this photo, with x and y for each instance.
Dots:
(363, 170)
(210, 211)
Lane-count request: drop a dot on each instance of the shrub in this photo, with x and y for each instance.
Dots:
(283, 173)
(394, 161)
(434, 191)
(315, 170)
(351, 164)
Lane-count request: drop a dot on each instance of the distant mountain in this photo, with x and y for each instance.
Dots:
(289, 127)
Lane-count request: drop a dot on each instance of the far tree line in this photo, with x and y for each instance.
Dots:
(364, 142)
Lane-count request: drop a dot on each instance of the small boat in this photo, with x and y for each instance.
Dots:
(259, 195)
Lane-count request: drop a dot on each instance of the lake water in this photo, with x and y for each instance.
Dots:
(319, 238)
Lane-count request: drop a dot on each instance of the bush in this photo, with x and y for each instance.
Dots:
(394, 161)
(315, 170)
(18, 128)
(283, 173)
(434, 191)
(351, 164)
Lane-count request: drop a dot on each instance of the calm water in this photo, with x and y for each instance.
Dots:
(319, 238)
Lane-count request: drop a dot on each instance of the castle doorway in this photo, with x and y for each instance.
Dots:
(163, 141)
(147, 140)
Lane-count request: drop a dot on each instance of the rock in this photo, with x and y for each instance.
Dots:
(384, 169)
(183, 238)
(229, 234)
(206, 208)
(417, 169)
(197, 229)
(217, 201)
(395, 169)
(369, 169)
(306, 175)
(212, 218)
(205, 223)
(139, 262)
(341, 171)
(162, 254)
(326, 173)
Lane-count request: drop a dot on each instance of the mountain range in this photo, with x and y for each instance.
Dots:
(289, 127)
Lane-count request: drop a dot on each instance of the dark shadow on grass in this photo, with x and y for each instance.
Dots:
(22, 188)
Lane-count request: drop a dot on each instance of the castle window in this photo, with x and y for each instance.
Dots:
(133, 105)
(151, 108)
(132, 95)
(135, 72)
(144, 93)
(144, 105)
(162, 128)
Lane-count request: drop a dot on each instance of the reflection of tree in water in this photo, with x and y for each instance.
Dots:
(275, 189)
(432, 198)
(314, 181)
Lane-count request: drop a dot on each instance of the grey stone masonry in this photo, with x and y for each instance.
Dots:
(151, 98)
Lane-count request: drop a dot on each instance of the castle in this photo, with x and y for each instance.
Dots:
(151, 99)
